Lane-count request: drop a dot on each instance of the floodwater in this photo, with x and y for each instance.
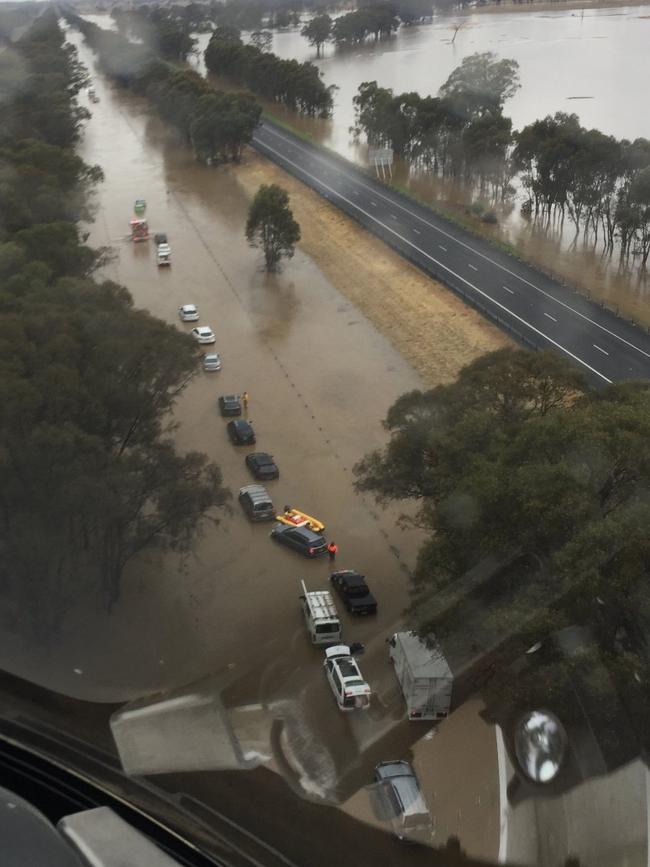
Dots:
(592, 62)
(307, 358)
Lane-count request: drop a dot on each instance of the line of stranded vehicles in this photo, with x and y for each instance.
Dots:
(140, 232)
(421, 669)
(423, 673)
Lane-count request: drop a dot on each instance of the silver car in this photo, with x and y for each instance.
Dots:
(212, 361)
(189, 313)
(403, 801)
(204, 334)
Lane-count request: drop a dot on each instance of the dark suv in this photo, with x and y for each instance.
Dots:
(230, 404)
(301, 539)
(262, 466)
(241, 432)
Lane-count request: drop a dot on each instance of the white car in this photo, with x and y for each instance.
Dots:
(212, 361)
(204, 334)
(349, 688)
(164, 254)
(189, 313)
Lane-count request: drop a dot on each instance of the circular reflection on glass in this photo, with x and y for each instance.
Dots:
(540, 745)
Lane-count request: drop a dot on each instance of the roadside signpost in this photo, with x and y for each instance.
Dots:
(382, 159)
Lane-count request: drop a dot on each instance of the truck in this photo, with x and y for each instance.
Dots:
(139, 230)
(321, 617)
(423, 674)
(163, 255)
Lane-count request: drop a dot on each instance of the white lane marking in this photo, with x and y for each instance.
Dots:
(355, 193)
(511, 291)
(444, 249)
(504, 809)
(473, 267)
(374, 204)
(393, 216)
(417, 231)
(604, 351)
(467, 246)
(551, 317)
(426, 255)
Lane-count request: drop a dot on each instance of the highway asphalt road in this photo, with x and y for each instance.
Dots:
(537, 310)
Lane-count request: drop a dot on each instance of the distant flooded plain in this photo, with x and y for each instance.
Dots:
(593, 62)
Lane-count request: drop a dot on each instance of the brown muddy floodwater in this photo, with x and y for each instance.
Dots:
(320, 378)
(592, 62)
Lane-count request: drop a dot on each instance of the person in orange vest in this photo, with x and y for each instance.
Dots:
(332, 550)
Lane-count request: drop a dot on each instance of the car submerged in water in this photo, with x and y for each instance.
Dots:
(344, 677)
(301, 539)
(262, 466)
(204, 334)
(241, 432)
(353, 590)
(212, 362)
(163, 255)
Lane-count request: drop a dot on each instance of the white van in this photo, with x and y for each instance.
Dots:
(321, 616)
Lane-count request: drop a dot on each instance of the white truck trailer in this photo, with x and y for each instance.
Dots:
(321, 617)
(424, 675)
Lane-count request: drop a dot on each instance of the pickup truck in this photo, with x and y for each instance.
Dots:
(353, 590)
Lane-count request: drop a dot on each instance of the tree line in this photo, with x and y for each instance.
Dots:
(518, 463)
(374, 19)
(461, 133)
(353, 28)
(163, 30)
(89, 474)
(600, 183)
(190, 18)
(296, 85)
(216, 124)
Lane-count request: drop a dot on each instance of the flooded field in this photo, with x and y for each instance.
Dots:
(594, 63)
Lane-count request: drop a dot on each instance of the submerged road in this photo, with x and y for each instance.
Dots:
(537, 310)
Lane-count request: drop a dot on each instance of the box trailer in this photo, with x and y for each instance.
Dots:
(424, 675)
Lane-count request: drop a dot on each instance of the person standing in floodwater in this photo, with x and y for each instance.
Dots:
(244, 400)
(332, 550)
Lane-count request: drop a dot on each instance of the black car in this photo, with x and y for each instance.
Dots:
(230, 404)
(262, 466)
(241, 432)
(301, 539)
(354, 591)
